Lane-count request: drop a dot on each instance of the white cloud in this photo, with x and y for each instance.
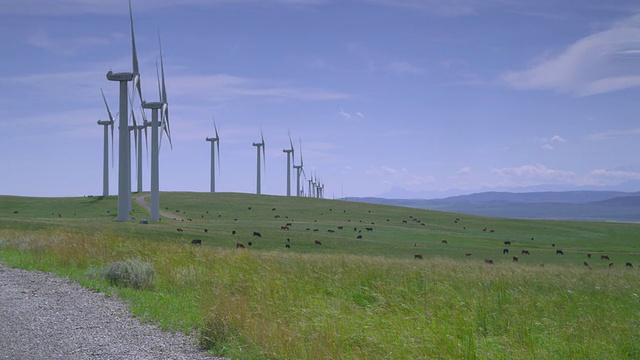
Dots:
(611, 134)
(532, 174)
(359, 114)
(596, 64)
(618, 175)
(344, 114)
(557, 138)
(464, 170)
(548, 147)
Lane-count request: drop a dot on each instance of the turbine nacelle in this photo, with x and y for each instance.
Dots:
(105, 122)
(152, 105)
(121, 76)
(212, 139)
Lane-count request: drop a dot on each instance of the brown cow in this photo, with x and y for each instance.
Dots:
(444, 242)
(589, 255)
(604, 257)
(487, 261)
(467, 254)
(239, 246)
(318, 242)
(515, 258)
(179, 230)
(610, 265)
(418, 256)
(525, 252)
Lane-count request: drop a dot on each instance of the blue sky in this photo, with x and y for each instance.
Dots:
(426, 96)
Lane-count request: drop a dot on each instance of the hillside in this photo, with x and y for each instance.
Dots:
(566, 205)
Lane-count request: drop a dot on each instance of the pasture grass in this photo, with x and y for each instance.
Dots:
(349, 298)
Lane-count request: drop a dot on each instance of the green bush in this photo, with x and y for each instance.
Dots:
(130, 273)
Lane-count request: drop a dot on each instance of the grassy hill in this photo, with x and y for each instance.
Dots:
(349, 297)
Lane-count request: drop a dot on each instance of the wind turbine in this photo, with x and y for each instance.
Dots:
(258, 146)
(290, 155)
(137, 135)
(215, 141)
(105, 162)
(163, 107)
(299, 169)
(124, 161)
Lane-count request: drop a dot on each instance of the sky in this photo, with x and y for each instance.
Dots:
(386, 97)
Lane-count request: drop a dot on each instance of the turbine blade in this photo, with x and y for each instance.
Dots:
(106, 105)
(136, 70)
(218, 146)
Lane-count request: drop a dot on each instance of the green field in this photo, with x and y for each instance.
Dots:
(347, 297)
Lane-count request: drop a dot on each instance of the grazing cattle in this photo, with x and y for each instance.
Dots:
(233, 232)
(318, 242)
(359, 237)
(316, 230)
(418, 256)
(307, 229)
(249, 207)
(525, 252)
(488, 261)
(196, 242)
(273, 209)
(515, 258)
(404, 221)
(492, 231)
(604, 257)
(505, 251)
(589, 255)
(257, 234)
(340, 227)
(179, 230)
(484, 229)
(284, 228)
(559, 252)
(444, 241)
(249, 243)
(629, 265)
(369, 229)
(585, 263)
(288, 224)
(554, 245)
(287, 246)
(423, 224)
(331, 231)
(15, 212)
(610, 265)
(205, 230)
(277, 217)
(239, 246)
(467, 254)
(507, 242)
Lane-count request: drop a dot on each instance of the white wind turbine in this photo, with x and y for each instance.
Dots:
(290, 155)
(105, 162)
(258, 146)
(163, 107)
(137, 135)
(124, 160)
(299, 170)
(214, 141)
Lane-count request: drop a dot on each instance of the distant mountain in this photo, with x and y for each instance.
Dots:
(559, 205)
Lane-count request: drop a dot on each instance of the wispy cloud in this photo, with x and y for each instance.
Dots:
(602, 62)
(612, 134)
(616, 175)
(549, 143)
(534, 174)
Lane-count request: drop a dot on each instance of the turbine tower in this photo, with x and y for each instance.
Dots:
(124, 161)
(214, 141)
(258, 146)
(105, 162)
(290, 155)
(163, 107)
(299, 169)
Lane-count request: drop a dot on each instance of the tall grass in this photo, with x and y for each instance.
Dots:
(247, 304)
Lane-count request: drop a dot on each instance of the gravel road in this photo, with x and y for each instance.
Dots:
(45, 317)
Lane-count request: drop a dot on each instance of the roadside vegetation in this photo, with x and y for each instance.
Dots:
(346, 298)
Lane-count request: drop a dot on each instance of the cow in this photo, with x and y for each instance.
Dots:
(233, 232)
(318, 242)
(418, 256)
(484, 229)
(205, 230)
(507, 242)
(196, 242)
(525, 252)
(239, 245)
(359, 237)
(492, 231)
(629, 265)
(585, 264)
(467, 254)
(604, 257)
(369, 229)
(331, 231)
(316, 230)
(273, 209)
(287, 246)
(515, 258)
(307, 229)
(553, 245)
(340, 227)
(179, 230)
(589, 255)
(284, 228)
(559, 252)
(488, 261)
(505, 251)
(288, 224)
(444, 241)
(610, 265)
(257, 234)
(249, 243)
(404, 221)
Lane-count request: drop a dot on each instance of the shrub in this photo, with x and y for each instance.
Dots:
(130, 273)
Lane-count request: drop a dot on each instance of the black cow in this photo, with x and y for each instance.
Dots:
(257, 234)
(359, 237)
(196, 242)
(559, 252)
(505, 251)
(629, 265)
(287, 246)
(487, 261)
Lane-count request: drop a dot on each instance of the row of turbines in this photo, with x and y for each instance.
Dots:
(159, 125)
